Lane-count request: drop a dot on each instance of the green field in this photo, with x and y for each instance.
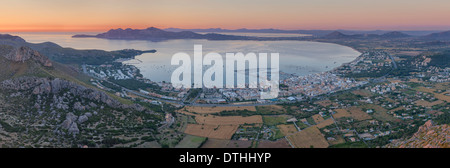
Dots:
(379, 113)
(183, 121)
(270, 110)
(278, 134)
(302, 125)
(274, 120)
(190, 141)
(358, 144)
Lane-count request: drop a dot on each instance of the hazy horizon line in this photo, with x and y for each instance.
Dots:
(293, 29)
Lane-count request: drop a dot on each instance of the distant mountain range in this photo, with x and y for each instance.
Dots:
(394, 34)
(311, 32)
(155, 34)
(434, 37)
(438, 36)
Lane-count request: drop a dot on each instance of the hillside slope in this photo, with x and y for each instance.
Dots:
(429, 135)
(46, 104)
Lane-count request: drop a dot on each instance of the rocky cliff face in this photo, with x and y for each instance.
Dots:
(40, 86)
(428, 136)
(46, 86)
(23, 54)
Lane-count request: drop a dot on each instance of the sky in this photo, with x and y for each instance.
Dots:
(101, 15)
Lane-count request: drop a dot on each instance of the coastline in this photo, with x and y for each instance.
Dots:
(360, 52)
(298, 67)
(317, 72)
(253, 103)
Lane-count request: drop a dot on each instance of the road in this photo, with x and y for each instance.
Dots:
(298, 129)
(393, 61)
(84, 69)
(335, 122)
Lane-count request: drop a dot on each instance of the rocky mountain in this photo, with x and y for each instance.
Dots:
(24, 61)
(23, 54)
(58, 113)
(47, 104)
(46, 86)
(429, 135)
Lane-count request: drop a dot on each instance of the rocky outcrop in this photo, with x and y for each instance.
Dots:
(73, 129)
(41, 86)
(78, 106)
(82, 119)
(88, 114)
(45, 86)
(70, 124)
(52, 98)
(23, 54)
(428, 136)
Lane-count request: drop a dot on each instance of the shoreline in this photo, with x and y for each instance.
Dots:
(326, 71)
(252, 103)
(331, 67)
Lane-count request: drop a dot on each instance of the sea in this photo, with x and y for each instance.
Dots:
(295, 57)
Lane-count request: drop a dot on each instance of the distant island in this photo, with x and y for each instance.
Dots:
(155, 34)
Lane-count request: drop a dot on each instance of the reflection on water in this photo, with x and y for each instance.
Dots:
(299, 57)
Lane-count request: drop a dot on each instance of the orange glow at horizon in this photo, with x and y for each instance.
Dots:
(102, 15)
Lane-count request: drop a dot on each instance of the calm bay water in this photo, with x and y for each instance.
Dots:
(299, 57)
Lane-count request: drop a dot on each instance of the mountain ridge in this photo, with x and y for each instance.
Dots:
(155, 34)
(388, 35)
(438, 36)
(24, 53)
(306, 31)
